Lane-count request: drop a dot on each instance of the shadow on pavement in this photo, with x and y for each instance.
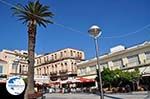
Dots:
(112, 97)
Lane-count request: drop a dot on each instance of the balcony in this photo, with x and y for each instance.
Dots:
(53, 78)
(3, 77)
(64, 78)
(53, 73)
(63, 71)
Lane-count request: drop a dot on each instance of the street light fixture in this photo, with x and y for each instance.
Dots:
(95, 32)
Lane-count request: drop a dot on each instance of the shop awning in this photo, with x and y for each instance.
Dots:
(70, 81)
(54, 83)
(85, 80)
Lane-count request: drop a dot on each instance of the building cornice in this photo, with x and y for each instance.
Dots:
(3, 61)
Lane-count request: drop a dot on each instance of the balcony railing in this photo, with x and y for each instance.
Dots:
(53, 73)
(63, 71)
(3, 75)
(53, 78)
(59, 59)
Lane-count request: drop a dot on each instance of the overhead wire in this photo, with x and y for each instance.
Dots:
(75, 30)
(130, 33)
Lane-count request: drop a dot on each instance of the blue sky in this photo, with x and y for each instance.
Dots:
(73, 18)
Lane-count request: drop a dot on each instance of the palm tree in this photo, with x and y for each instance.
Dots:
(33, 14)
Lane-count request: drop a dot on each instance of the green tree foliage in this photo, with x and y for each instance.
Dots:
(117, 77)
(107, 77)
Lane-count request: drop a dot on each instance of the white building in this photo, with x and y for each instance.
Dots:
(119, 57)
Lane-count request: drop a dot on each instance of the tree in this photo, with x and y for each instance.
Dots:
(125, 77)
(108, 77)
(33, 14)
(118, 78)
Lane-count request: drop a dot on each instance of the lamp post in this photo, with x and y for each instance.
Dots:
(95, 32)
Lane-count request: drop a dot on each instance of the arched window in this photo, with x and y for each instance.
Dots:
(80, 55)
(52, 68)
(61, 54)
(47, 70)
(55, 67)
(55, 56)
(44, 70)
(71, 52)
(52, 57)
(62, 66)
(37, 70)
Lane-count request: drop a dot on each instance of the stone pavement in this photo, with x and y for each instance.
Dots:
(133, 95)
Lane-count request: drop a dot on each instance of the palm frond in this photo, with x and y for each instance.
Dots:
(33, 11)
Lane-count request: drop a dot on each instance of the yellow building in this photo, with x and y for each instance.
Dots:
(58, 66)
(13, 63)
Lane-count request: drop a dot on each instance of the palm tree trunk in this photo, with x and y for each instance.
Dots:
(31, 50)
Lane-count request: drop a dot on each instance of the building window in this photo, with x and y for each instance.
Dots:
(52, 68)
(65, 64)
(1, 69)
(133, 60)
(45, 59)
(40, 60)
(80, 55)
(61, 54)
(23, 69)
(55, 68)
(71, 52)
(44, 70)
(37, 61)
(88, 70)
(40, 71)
(147, 55)
(47, 69)
(118, 63)
(74, 53)
(79, 72)
(55, 56)
(62, 67)
(71, 63)
(92, 68)
(37, 71)
(65, 53)
(104, 65)
(14, 65)
(83, 71)
(20, 69)
(52, 57)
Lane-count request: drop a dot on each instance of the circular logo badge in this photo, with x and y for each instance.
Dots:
(15, 85)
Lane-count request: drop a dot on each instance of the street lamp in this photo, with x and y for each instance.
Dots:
(95, 32)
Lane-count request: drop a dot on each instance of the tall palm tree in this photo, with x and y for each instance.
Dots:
(33, 14)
